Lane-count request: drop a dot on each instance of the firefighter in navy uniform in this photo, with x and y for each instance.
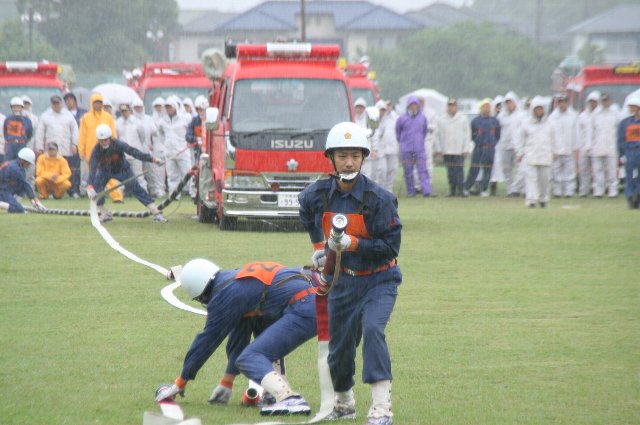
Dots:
(108, 162)
(362, 300)
(13, 181)
(629, 149)
(283, 296)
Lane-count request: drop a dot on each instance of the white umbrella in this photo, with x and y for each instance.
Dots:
(116, 93)
(434, 100)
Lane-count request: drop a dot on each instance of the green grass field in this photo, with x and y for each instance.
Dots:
(506, 315)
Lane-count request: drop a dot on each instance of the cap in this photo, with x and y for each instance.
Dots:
(452, 101)
(52, 145)
(562, 98)
(56, 99)
(70, 95)
(124, 107)
(605, 96)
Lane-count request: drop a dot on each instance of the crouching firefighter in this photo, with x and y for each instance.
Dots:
(284, 296)
(108, 162)
(361, 302)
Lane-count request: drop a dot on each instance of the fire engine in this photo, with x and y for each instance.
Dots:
(616, 80)
(272, 109)
(162, 79)
(361, 82)
(37, 80)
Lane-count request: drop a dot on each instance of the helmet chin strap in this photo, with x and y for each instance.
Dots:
(346, 178)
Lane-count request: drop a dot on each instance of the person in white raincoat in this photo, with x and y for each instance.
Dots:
(584, 133)
(535, 150)
(564, 125)
(510, 118)
(603, 149)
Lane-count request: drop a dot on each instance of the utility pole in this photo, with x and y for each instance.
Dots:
(303, 23)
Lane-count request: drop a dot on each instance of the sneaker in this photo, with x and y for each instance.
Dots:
(294, 405)
(484, 194)
(342, 411)
(159, 218)
(382, 420)
(104, 218)
(76, 196)
(267, 399)
(543, 204)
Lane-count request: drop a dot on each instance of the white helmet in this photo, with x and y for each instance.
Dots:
(594, 95)
(634, 100)
(347, 135)
(16, 101)
(196, 275)
(27, 154)
(201, 102)
(103, 131)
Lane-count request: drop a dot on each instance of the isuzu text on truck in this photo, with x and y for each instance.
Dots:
(162, 79)
(273, 107)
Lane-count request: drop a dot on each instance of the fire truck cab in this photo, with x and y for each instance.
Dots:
(37, 80)
(616, 80)
(165, 78)
(361, 82)
(272, 109)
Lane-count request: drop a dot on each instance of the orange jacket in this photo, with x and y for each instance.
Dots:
(87, 133)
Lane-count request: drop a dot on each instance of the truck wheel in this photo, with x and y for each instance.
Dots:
(228, 223)
(205, 215)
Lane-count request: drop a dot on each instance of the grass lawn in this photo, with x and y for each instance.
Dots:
(506, 315)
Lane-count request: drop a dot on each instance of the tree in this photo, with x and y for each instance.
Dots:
(465, 60)
(14, 44)
(98, 35)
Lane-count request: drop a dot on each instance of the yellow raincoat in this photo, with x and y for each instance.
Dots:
(52, 176)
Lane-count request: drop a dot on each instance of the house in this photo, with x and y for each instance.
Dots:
(616, 32)
(356, 26)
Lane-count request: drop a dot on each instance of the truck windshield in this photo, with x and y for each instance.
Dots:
(288, 104)
(40, 96)
(192, 92)
(366, 94)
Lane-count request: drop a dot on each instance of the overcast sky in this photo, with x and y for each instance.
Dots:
(242, 5)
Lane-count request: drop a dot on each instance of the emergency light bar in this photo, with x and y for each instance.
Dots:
(276, 50)
(47, 69)
(173, 69)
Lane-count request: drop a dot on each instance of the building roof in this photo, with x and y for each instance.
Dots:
(620, 19)
(439, 14)
(347, 15)
(206, 22)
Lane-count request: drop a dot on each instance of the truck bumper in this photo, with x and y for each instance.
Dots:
(240, 203)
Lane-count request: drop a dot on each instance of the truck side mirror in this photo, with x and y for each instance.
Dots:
(211, 118)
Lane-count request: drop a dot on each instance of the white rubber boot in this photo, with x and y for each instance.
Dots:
(380, 412)
(104, 214)
(4, 206)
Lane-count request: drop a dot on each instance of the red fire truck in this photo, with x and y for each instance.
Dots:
(616, 80)
(361, 82)
(39, 81)
(165, 78)
(273, 108)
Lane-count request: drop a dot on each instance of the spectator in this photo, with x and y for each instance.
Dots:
(58, 126)
(2, 118)
(13, 182)
(155, 177)
(52, 172)
(510, 119)
(17, 130)
(388, 145)
(584, 135)
(604, 158)
(28, 112)
(411, 131)
(454, 138)
(431, 138)
(74, 160)
(189, 107)
(178, 159)
(485, 133)
(87, 140)
(535, 149)
(196, 127)
(131, 132)
(108, 108)
(629, 148)
(496, 168)
(563, 125)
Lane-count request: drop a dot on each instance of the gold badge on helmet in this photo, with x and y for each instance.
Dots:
(347, 136)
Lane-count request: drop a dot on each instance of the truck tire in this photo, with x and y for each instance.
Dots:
(228, 223)
(205, 214)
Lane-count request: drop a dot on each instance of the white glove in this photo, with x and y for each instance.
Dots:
(91, 192)
(342, 245)
(37, 204)
(318, 259)
(169, 392)
(220, 395)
